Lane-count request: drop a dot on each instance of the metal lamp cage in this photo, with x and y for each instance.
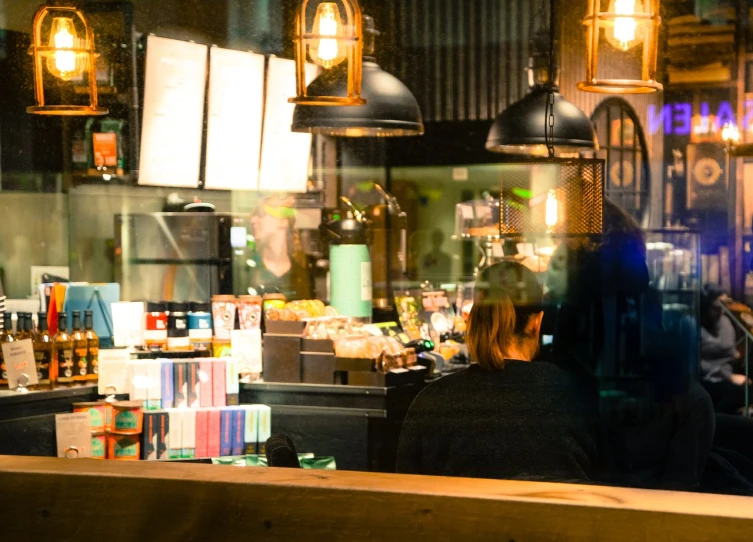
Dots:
(532, 188)
(643, 22)
(40, 52)
(351, 38)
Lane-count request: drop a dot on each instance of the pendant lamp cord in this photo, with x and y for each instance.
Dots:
(549, 116)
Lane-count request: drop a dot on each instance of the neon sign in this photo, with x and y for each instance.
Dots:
(677, 118)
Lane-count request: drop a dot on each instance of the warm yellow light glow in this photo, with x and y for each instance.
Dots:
(626, 33)
(326, 52)
(552, 210)
(63, 63)
(730, 133)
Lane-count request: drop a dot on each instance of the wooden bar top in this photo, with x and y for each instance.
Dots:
(48, 498)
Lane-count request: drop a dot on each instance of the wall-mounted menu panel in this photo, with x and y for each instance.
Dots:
(285, 154)
(234, 120)
(173, 120)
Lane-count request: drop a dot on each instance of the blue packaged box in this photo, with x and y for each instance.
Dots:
(226, 432)
(168, 386)
(239, 430)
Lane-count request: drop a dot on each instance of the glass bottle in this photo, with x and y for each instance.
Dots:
(43, 352)
(80, 349)
(63, 352)
(5, 337)
(23, 326)
(92, 345)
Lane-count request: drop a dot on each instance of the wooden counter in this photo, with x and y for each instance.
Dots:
(58, 499)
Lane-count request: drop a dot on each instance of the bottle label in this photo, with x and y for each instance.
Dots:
(93, 360)
(155, 335)
(80, 362)
(65, 364)
(43, 360)
(175, 343)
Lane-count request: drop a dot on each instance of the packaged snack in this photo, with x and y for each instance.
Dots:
(223, 316)
(249, 311)
(128, 417)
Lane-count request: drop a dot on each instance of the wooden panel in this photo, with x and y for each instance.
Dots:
(57, 499)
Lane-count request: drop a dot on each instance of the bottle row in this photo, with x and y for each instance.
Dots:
(67, 357)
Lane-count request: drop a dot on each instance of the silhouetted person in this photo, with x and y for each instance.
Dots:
(436, 265)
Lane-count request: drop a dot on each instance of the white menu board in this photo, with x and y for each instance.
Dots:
(173, 120)
(235, 113)
(284, 154)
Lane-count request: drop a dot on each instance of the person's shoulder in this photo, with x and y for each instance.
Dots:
(445, 385)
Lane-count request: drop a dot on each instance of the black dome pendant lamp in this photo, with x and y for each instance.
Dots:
(391, 110)
(522, 128)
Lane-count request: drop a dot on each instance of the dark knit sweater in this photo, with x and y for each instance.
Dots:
(523, 422)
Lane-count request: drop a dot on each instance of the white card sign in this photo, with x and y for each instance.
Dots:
(246, 346)
(284, 154)
(113, 371)
(20, 364)
(73, 435)
(234, 119)
(173, 121)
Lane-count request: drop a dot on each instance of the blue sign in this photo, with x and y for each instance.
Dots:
(677, 118)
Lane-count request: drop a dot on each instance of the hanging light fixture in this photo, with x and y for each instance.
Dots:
(390, 110)
(550, 194)
(518, 129)
(65, 55)
(332, 42)
(631, 31)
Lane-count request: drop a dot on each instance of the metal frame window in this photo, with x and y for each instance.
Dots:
(627, 178)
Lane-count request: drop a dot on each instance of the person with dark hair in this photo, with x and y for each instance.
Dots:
(719, 354)
(505, 416)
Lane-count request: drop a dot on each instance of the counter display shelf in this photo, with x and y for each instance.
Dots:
(359, 426)
(27, 420)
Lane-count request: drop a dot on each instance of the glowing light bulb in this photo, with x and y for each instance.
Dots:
(63, 63)
(626, 33)
(730, 133)
(552, 210)
(328, 52)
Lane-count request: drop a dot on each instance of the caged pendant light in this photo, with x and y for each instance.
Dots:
(332, 37)
(549, 193)
(630, 31)
(64, 55)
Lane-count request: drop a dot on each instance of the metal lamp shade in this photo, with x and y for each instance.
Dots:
(391, 110)
(519, 129)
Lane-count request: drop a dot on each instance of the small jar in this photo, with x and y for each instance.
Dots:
(177, 327)
(200, 326)
(155, 332)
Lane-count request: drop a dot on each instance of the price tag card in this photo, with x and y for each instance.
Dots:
(73, 435)
(113, 371)
(246, 345)
(20, 364)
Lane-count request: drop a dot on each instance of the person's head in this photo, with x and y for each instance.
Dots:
(273, 219)
(437, 239)
(711, 307)
(506, 316)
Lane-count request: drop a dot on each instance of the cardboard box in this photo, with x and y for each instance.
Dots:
(175, 442)
(149, 437)
(317, 368)
(163, 435)
(188, 446)
(202, 432)
(264, 415)
(138, 382)
(214, 431)
(181, 384)
(282, 358)
(251, 432)
(239, 430)
(154, 385)
(232, 382)
(226, 432)
(219, 396)
(168, 384)
(193, 384)
(205, 383)
(279, 327)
